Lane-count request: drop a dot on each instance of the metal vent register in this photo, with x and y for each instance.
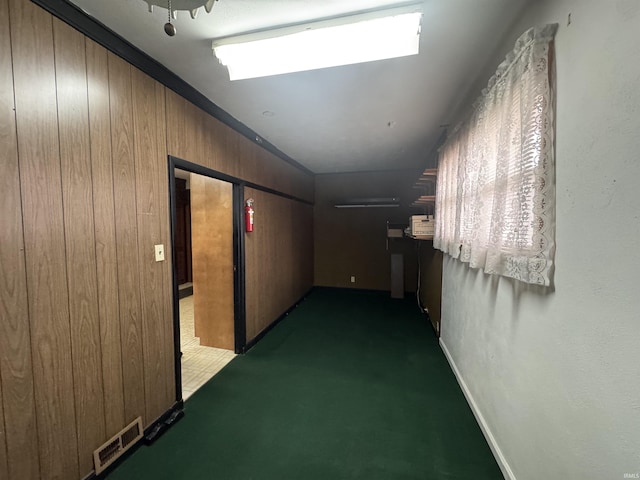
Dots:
(113, 448)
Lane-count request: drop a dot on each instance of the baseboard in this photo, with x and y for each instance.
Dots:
(360, 290)
(351, 290)
(251, 343)
(163, 423)
(493, 445)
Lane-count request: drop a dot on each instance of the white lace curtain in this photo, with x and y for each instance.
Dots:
(495, 197)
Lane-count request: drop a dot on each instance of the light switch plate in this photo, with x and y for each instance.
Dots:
(159, 253)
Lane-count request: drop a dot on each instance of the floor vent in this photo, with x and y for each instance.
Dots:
(113, 448)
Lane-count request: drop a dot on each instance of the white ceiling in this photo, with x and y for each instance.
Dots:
(375, 116)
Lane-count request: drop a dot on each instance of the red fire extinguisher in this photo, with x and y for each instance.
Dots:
(248, 215)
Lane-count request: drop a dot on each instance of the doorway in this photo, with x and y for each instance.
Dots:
(205, 267)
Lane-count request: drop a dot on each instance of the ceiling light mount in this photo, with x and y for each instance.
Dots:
(173, 6)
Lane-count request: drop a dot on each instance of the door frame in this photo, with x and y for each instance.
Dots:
(239, 313)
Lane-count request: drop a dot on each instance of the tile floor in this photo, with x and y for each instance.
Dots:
(199, 363)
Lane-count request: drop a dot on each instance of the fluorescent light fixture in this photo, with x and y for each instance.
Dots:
(365, 37)
(371, 202)
(364, 205)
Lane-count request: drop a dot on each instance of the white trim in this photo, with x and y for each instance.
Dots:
(497, 453)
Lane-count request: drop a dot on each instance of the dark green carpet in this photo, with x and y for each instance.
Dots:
(349, 385)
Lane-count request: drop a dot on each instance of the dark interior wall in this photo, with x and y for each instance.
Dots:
(431, 281)
(86, 338)
(182, 233)
(352, 241)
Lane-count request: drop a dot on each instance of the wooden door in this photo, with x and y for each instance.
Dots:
(212, 257)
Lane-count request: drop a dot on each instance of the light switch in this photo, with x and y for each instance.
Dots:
(159, 253)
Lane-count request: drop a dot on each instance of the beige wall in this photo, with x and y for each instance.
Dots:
(86, 340)
(352, 241)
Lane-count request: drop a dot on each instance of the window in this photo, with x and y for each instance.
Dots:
(495, 198)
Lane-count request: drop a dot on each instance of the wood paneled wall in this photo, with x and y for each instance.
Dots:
(431, 281)
(199, 138)
(86, 339)
(352, 241)
(279, 258)
(18, 423)
(4, 466)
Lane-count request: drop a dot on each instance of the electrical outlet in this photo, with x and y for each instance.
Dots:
(159, 249)
(353, 279)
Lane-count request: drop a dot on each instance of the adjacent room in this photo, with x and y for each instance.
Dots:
(349, 239)
(203, 223)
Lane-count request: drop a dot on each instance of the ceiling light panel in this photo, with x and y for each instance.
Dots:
(367, 37)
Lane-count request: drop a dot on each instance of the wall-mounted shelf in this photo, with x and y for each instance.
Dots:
(422, 237)
(425, 200)
(428, 177)
(427, 185)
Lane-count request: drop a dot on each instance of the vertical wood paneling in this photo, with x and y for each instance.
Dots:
(212, 254)
(17, 412)
(265, 175)
(77, 196)
(124, 187)
(281, 233)
(163, 209)
(175, 123)
(147, 164)
(240, 151)
(302, 254)
(231, 157)
(278, 255)
(215, 143)
(37, 129)
(189, 136)
(198, 137)
(105, 235)
(4, 466)
(246, 168)
(254, 266)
